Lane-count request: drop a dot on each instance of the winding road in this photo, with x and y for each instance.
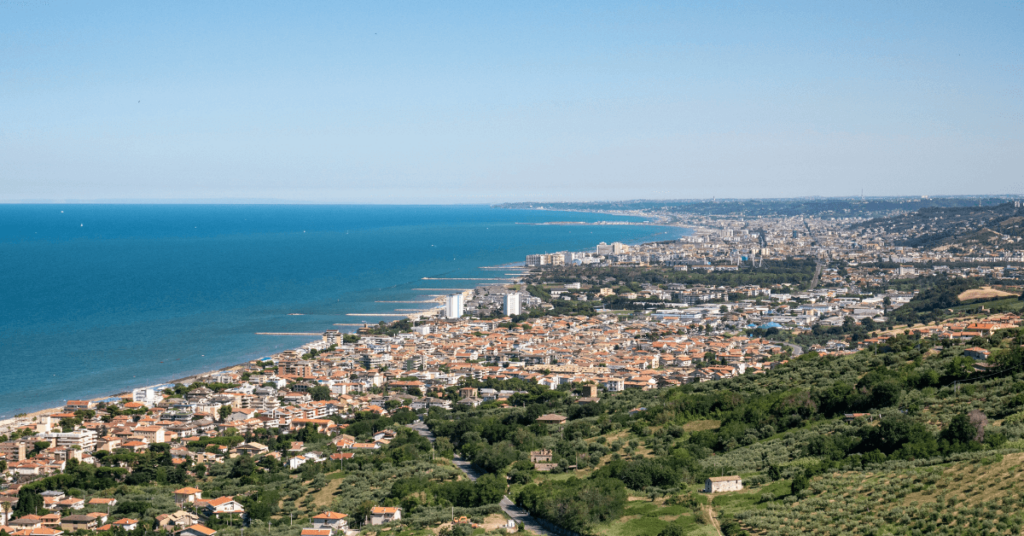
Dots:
(517, 514)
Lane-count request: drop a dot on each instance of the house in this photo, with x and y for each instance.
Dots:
(221, 506)
(75, 405)
(71, 503)
(184, 496)
(719, 484)
(296, 461)
(42, 531)
(551, 418)
(332, 521)
(126, 523)
(543, 455)
(152, 434)
(51, 520)
(179, 519)
(380, 515)
(197, 530)
(99, 501)
(252, 449)
(77, 522)
(26, 522)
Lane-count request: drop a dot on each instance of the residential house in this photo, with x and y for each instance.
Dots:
(187, 495)
(126, 523)
(331, 520)
(220, 506)
(380, 515)
(178, 520)
(197, 530)
(78, 522)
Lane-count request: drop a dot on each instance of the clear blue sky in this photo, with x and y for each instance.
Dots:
(430, 102)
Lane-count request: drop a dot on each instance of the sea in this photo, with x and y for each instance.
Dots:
(99, 299)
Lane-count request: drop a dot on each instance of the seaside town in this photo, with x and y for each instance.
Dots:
(735, 298)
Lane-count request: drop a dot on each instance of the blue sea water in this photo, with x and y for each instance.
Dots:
(98, 299)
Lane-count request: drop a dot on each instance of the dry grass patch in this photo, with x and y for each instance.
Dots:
(982, 293)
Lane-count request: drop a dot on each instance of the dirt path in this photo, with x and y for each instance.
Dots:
(714, 518)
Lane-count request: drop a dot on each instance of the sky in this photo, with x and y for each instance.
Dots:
(487, 102)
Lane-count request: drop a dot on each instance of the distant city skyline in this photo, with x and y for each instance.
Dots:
(448, 103)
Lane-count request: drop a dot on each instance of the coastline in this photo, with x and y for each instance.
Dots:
(9, 424)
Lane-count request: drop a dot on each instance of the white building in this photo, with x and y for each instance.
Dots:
(84, 439)
(718, 484)
(146, 395)
(512, 306)
(453, 306)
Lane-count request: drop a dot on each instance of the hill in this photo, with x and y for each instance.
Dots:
(824, 207)
(905, 436)
(956, 227)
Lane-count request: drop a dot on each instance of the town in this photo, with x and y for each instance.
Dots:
(577, 338)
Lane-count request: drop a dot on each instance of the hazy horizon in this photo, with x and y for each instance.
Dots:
(446, 103)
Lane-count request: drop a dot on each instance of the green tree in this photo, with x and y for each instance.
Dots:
(320, 392)
(224, 412)
(672, 530)
(29, 502)
(800, 482)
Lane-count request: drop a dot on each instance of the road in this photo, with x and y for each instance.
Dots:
(511, 510)
(817, 274)
(797, 349)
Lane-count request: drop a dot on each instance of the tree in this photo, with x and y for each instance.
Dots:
(800, 482)
(978, 421)
(672, 530)
(225, 412)
(319, 482)
(774, 472)
(320, 392)
(29, 502)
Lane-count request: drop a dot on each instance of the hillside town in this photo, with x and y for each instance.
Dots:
(626, 334)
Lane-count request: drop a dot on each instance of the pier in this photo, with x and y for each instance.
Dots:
(466, 278)
(376, 314)
(291, 334)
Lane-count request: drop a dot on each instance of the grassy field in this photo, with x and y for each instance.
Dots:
(1011, 303)
(644, 517)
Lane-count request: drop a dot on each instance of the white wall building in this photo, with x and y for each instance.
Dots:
(453, 306)
(512, 305)
(146, 395)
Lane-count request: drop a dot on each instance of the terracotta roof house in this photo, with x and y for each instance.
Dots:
(187, 495)
(197, 530)
(331, 521)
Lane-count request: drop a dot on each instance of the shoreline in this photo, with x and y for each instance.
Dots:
(10, 424)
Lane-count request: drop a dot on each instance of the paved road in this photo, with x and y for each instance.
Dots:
(516, 513)
(520, 516)
(817, 274)
(797, 349)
